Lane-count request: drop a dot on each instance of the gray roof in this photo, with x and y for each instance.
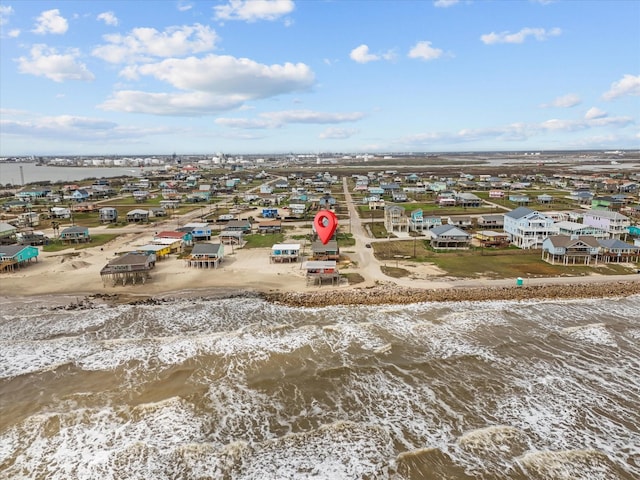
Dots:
(614, 243)
(75, 229)
(206, 248)
(448, 230)
(130, 258)
(11, 250)
(605, 214)
(519, 212)
(569, 241)
(6, 227)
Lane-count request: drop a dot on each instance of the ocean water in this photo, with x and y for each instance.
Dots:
(239, 388)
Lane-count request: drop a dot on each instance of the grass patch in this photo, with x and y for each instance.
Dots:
(258, 240)
(345, 240)
(96, 241)
(353, 278)
(378, 230)
(394, 272)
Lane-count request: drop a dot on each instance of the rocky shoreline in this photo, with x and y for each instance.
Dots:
(392, 294)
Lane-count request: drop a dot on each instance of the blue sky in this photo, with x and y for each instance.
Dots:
(277, 76)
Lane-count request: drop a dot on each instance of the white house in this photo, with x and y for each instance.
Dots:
(614, 223)
(528, 228)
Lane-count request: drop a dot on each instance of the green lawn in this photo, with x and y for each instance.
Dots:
(258, 240)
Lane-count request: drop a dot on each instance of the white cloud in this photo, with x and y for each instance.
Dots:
(51, 21)
(46, 61)
(518, 131)
(65, 128)
(628, 85)
(182, 104)
(108, 18)
(333, 133)
(280, 118)
(424, 51)
(5, 12)
(519, 37)
(224, 74)
(144, 44)
(444, 3)
(594, 112)
(361, 54)
(253, 10)
(184, 6)
(566, 101)
(15, 33)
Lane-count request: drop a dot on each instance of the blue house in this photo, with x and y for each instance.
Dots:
(75, 234)
(80, 195)
(16, 256)
(269, 212)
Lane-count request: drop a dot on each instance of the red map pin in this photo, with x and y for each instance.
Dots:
(326, 223)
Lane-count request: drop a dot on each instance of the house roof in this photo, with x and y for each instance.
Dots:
(239, 223)
(572, 226)
(272, 223)
(138, 211)
(519, 212)
(12, 250)
(605, 214)
(206, 248)
(131, 258)
(152, 247)
(569, 241)
(169, 234)
(614, 243)
(6, 227)
(231, 233)
(75, 229)
(448, 230)
(318, 246)
(286, 246)
(314, 264)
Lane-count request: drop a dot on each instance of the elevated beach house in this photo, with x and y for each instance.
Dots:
(449, 236)
(285, 252)
(16, 256)
(131, 267)
(570, 250)
(614, 223)
(206, 255)
(528, 228)
(319, 271)
(75, 234)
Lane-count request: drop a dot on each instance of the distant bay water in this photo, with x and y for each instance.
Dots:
(10, 173)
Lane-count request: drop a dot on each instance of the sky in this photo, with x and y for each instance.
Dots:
(317, 76)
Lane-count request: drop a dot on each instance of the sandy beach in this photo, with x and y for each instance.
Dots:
(77, 272)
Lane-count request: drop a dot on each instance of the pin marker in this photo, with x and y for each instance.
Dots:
(326, 223)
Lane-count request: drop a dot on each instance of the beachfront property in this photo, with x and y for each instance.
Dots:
(570, 250)
(395, 219)
(574, 228)
(177, 240)
(75, 234)
(528, 228)
(16, 256)
(285, 252)
(492, 221)
(449, 236)
(460, 221)
(158, 249)
(131, 267)
(274, 226)
(138, 215)
(243, 226)
(319, 271)
(108, 215)
(7, 233)
(198, 230)
(614, 223)
(232, 237)
(320, 251)
(491, 238)
(613, 250)
(205, 255)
